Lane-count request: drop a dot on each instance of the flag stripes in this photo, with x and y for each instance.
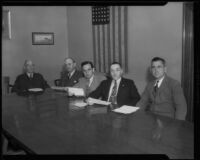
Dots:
(110, 40)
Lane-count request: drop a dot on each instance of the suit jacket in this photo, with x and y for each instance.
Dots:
(98, 78)
(127, 92)
(23, 83)
(66, 82)
(169, 99)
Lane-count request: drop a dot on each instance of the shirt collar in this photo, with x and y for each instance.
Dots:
(118, 81)
(71, 74)
(160, 81)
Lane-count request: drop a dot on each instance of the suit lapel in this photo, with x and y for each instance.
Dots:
(107, 88)
(163, 84)
(121, 86)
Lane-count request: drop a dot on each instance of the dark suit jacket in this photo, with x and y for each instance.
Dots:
(168, 100)
(23, 83)
(127, 92)
(66, 82)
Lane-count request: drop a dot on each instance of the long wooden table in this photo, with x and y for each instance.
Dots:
(49, 123)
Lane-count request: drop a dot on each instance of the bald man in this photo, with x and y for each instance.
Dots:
(29, 79)
(70, 75)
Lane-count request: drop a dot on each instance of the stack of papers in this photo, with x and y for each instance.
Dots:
(98, 101)
(58, 88)
(80, 104)
(76, 91)
(126, 109)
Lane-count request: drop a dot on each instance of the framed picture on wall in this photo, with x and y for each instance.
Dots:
(6, 25)
(42, 38)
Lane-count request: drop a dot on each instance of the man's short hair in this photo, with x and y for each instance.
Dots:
(87, 62)
(158, 59)
(71, 59)
(116, 63)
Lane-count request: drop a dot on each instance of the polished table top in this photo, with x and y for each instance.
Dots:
(49, 123)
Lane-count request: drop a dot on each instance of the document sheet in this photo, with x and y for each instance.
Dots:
(126, 109)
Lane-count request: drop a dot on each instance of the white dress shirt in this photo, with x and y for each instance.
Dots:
(160, 81)
(71, 74)
(91, 80)
(112, 85)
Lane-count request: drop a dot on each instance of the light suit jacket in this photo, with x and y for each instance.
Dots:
(169, 99)
(98, 78)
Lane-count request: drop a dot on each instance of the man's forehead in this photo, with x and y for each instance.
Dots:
(29, 63)
(115, 66)
(157, 63)
(69, 61)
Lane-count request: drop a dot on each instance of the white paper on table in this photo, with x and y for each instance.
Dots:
(126, 109)
(76, 91)
(58, 88)
(98, 101)
(80, 104)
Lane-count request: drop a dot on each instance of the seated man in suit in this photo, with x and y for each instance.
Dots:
(29, 79)
(117, 90)
(69, 75)
(164, 95)
(91, 79)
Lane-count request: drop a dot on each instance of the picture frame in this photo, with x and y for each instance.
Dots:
(42, 38)
(6, 24)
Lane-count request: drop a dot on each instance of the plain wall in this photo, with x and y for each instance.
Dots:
(80, 33)
(152, 31)
(47, 58)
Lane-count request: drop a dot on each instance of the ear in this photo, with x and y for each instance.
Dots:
(122, 71)
(165, 69)
(149, 68)
(93, 69)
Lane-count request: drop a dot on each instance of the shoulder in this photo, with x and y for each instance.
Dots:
(126, 80)
(82, 79)
(78, 72)
(38, 74)
(100, 76)
(172, 82)
(21, 76)
(106, 82)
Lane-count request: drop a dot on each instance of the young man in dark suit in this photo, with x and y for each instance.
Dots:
(164, 95)
(29, 79)
(117, 90)
(69, 75)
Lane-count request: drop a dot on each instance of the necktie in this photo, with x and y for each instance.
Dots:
(69, 75)
(156, 86)
(113, 94)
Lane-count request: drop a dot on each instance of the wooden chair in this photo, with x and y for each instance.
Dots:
(6, 86)
(57, 82)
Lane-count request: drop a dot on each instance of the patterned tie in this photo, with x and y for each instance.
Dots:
(113, 95)
(156, 86)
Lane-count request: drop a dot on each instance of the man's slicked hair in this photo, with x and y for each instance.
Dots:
(158, 59)
(87, 62)
(116, 63)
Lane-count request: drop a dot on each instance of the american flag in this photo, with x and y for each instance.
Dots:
(109, 36)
